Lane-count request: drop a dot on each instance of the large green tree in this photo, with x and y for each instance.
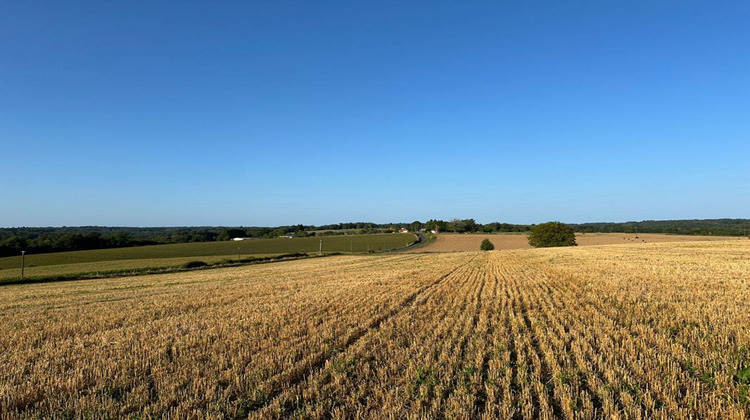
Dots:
(436, 225)
(552, 234)
(463, 225)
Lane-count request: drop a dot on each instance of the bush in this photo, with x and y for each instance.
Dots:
(486, 245)
(552, 234)
(194, 264)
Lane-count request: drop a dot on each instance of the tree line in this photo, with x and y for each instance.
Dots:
(58, 239)
(715, 227)
(471, 226)
(38, 240)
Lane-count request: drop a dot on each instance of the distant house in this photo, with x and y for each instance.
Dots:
(289, 235)
(239, 239)
(404, 230)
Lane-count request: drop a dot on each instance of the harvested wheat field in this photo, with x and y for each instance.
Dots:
(654, 331)
(451, 242)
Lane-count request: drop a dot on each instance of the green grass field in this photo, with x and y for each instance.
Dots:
(175, 254)
(93, 267)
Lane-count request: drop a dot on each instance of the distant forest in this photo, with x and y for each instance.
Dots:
(711, 227)
(37, 240)
(715, 227)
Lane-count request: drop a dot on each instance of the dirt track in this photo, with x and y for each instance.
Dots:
(448, 242)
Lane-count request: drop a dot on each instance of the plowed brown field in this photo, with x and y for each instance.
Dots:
(448, 242)
(654, 331)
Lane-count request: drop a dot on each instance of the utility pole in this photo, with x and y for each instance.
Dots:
(320, 250)
(23, 262)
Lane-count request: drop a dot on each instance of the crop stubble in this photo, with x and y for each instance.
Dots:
(454, 242)
(656, 331)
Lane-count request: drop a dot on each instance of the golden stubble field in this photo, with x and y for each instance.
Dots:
(654, 331)
(453, 242)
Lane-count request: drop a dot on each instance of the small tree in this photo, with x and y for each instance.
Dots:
(486, 245)
(552, 234)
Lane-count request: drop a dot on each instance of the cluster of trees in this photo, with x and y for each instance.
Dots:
(496, 227)
(471, 226)
(350, 226)
(455, 226)
(267, 232)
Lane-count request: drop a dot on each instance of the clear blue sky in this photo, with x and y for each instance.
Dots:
(149, 113)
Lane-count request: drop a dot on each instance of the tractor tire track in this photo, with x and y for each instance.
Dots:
(295, 376)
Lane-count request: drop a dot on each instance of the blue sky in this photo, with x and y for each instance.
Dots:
(270, 113)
